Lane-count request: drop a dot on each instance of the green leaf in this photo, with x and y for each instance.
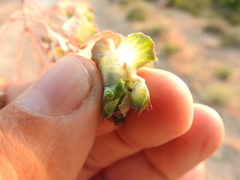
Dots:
(85, 30)
(139, 98)
(110, 75)
(103, 47)
(120, 88)
(110, 95)
(82, 9)
(110, 107)
(1, 80)
(136, 50)
(108, 60)
(58, 52)
(125, 105)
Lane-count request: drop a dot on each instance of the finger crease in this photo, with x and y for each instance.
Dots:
(152, 166)
(91, 168)
(126, 142)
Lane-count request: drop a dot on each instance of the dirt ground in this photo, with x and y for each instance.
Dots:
(199, 56)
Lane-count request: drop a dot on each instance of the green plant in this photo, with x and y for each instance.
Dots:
(53, 32)
(151, 0)
(224, 72)
(73, 31)
(1, 80)
(136, 14)
(169, 49)
(231, 39)
(229, 9)
(216, 26)
(125, 2)
(217, 94)
(232, 4)
(195, 7)
(154, 30)
(118, 59)
(230, 36)
(230, 15)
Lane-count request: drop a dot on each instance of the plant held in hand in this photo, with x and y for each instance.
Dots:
(68, 28)
(118, 59)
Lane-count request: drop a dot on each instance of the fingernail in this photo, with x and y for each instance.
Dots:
(60, 91)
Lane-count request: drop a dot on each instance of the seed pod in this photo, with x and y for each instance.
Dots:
(110, 95)
(139, 98)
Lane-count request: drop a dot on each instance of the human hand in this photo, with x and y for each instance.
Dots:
(54, 130)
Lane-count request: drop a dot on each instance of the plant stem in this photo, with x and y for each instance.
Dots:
(39, 55)
(19, 53)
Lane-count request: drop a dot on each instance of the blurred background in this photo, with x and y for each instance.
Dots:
(198, 40)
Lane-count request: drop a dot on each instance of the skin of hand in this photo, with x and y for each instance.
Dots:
(53, 129)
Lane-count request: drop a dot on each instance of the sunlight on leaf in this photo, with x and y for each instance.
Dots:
(136, 50)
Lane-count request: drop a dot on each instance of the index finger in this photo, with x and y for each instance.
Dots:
(170, 117)
(171, 114)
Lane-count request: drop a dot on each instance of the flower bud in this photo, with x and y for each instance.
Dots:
(120, 88)
(139, 98)
(110, 95)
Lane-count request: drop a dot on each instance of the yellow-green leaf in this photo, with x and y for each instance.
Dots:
(139, 98)
(125, 104)
(110, 75)
(110, 107)
(136, 50)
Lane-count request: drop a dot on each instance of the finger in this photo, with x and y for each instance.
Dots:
(53, 121)
(176, 158)
(197, 173)
(135, 168)
(13, 89)
(171, 101)
(171, 116)
(183, 153)
(105, 127)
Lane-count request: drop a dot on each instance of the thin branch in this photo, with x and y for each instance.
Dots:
(35, 9)
(38, 21)
(19, 53)
(45, 10)
(4, 27)
(37, 49)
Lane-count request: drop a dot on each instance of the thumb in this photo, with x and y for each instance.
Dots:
(49, 129)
